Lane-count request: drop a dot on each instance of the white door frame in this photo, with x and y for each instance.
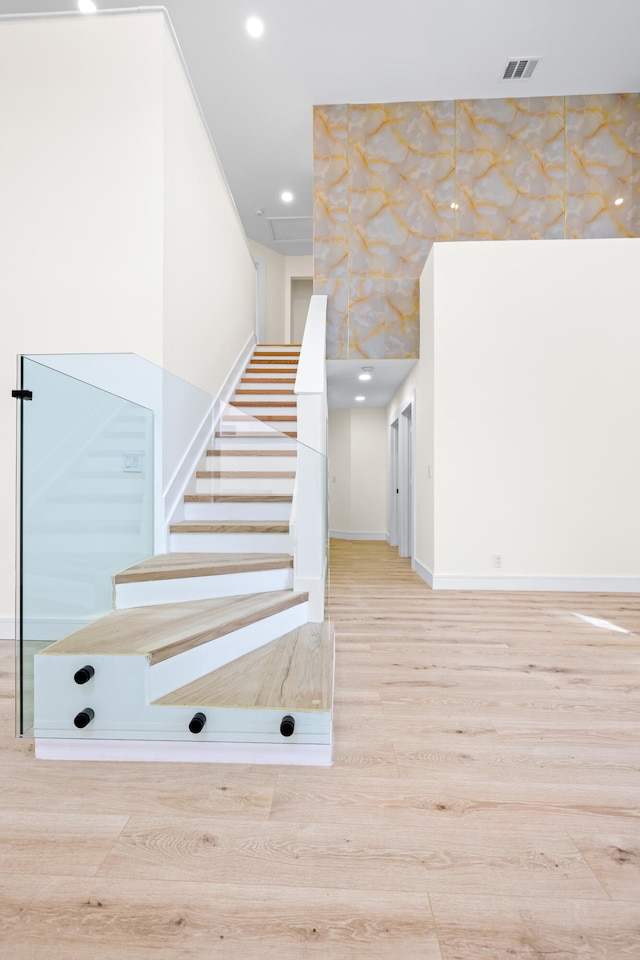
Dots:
(402, 479)
(261, 299)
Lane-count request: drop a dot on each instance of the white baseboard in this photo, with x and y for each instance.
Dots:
(423, 572)
(525, 583)
(173, 495)
(360, 535)
(180, 751)
(229, 386)
(7, 628)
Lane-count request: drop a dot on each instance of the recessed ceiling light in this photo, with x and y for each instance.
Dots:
(360, 398)
(366, 373)
(619, 201)
(286, 196)
(86, 6)
(255, 27)
(454, 205)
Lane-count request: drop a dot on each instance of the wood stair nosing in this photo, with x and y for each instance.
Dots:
(264, 403)
(258, 379)
(254, 435)
(238, 498)
(278, 418)
(166, 630)
(293, 672)
(180, 566)
(276, 353)
(230, 526)
(246, 474)
(286, 452)
(288, 393)
(277, 360)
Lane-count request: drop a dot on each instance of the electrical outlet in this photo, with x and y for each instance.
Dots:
(497, 559)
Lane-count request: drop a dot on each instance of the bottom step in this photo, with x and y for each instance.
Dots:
(168, 751)
(292, 673)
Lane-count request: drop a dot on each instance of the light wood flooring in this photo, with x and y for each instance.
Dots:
(484, 803)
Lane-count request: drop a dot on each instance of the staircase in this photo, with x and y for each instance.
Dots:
(208, 653)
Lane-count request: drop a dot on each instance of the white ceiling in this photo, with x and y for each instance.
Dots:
(257, 95)
(343, 384)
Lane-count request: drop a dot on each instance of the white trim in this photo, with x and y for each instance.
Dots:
(422, 571)
(228, 388)
(174, 493)
(180, 751)
(360, 535)
(551, 584)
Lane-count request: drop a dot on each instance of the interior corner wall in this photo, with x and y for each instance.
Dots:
(537, 405)
(295, 267)
(209, 274)
(81, 225)
(358, 472)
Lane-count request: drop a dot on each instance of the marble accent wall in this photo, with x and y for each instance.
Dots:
(390, 179)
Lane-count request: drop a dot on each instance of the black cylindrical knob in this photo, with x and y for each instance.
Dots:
(197, 722)
(84, 718)
(84, 674)
(287, 726)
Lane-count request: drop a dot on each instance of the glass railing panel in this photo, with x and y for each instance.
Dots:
(86, 507)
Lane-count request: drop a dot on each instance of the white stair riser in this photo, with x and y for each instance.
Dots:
(248, 425)
(270, 441)
(259, 485)
(100, 485)
(257, 411)
(229, 542)
(100, 511)
(189, 666)
(269, 395)
(151, 592)
(270, 462)
(237, 511)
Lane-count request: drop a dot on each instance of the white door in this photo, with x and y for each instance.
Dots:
(402, 520)
(394, 485)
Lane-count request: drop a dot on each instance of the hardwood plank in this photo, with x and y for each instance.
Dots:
(615, 860)
(55, 843)
(510, 928)
(112, 919)
(175, 566)
(294, 672)
(162, 631)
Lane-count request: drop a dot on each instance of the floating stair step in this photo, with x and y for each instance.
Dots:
(263, 379)
(237, 498)
(177, 566)
(292, 673)
(255, 435)
(166, 630)
(250, 453)
(180, 577)
(264, 403)
(230, 526)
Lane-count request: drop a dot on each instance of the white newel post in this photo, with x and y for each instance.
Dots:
(310, 528)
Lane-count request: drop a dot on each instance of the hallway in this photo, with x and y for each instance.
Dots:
(483, 803)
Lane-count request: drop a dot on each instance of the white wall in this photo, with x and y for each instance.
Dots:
(96, 121)
(295, 268)
(358, 496)
(209, 274)
(537, 405)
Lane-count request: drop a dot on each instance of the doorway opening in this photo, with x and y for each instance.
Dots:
(301, 293)
(402, 485)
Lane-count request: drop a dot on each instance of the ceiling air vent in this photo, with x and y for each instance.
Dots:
(520, 68)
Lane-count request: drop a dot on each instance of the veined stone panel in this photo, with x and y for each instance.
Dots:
(510, 169)
(603, 165)
(390, 179)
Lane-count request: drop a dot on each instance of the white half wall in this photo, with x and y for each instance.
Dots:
(536, 404)
(358, 472)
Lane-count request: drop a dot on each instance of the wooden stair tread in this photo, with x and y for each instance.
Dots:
(288, 393)
(262, 416)
(276, 353)
(294, 672)
(250, 453)
(163, 631)
(238, 498)
(253, 435)
(258, 379)
(230, 526)
(177, 566)
(248, 474)
(264, 403)
(277, 358)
